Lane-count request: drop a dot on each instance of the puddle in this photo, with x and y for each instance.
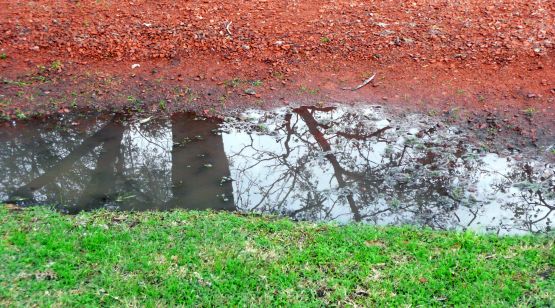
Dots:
(318, 164)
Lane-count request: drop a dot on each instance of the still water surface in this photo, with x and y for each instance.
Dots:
(319, 164)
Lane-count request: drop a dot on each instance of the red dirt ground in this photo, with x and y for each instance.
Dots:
(477, 57)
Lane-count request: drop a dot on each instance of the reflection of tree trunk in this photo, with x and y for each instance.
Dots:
(103, 178)
(199, 166)
(104, 134)
(312, 125)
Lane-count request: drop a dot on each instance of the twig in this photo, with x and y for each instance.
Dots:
(367, 81)
(227, 25)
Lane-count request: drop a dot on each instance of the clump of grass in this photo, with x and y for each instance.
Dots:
(529, 112)
(18, 83)
(191, 258)
(56, 65)
(308, 90)
(3, 56)
(162, 104)
(234, 83)
(20, 115)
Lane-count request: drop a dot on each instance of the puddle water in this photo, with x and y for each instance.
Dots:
(319, 164)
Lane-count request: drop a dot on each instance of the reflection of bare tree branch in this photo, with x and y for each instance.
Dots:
(305, 169)
(104, 134)
(319, 137)
(543, 202)
(377, 133)
(289, 133)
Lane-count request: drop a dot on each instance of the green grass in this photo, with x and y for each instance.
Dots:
(213, 259)
(56, 65)
(529, 112)
(308, 90)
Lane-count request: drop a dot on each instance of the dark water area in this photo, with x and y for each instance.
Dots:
(317, 164)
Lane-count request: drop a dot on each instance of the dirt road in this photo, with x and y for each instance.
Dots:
(472, 57)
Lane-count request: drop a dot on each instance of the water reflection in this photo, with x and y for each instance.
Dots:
(307, 163)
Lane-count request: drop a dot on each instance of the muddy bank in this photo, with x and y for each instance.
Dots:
(427, 55)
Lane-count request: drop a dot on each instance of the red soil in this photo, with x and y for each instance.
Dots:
(472, 55)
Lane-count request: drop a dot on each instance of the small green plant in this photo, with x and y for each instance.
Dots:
(3, 56)
(15, 82)
(40, 78)
(257, 83)
(56, 65)
(41, 68)
(461, 91)
(455, 113)
(137, 104)
(162, 104)
(309, 90)
(234, 83)
(325, 40)
(529, 112)
(20, 115)
(192, 95)
(132, 99)
(177, 90)
(433, 112)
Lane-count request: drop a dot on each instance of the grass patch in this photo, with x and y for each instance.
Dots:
(257, 83)
(186, 258)
(529, 112)
(308, 90)
(234, 83)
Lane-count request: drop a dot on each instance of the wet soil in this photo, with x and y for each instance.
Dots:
(309, 163)
(493, 59)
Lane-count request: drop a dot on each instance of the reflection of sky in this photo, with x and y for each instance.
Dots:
(148, 161)
(260, 183)
(303, 184)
